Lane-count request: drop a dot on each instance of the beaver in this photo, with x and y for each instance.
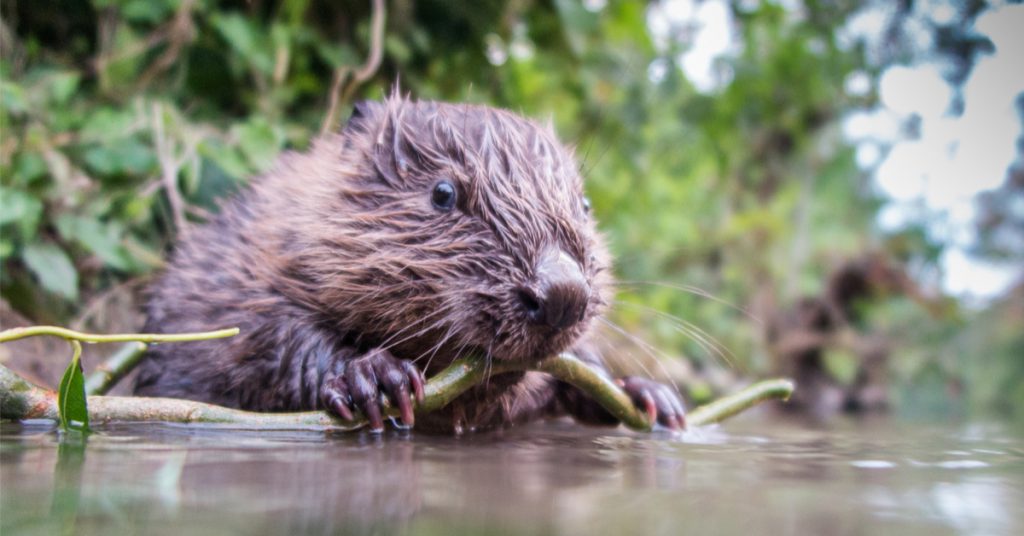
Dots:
(419, 232)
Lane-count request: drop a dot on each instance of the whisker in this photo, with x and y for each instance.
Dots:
(647, 347)
(640, 343)
(381, 289)
(489, 363)
(703, 339)
(433, 351)
(608, 347)
(697, 291)
(388, 344)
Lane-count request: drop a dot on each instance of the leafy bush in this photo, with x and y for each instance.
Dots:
(122, 120)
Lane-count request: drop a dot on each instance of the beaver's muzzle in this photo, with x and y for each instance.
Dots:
(559, 294)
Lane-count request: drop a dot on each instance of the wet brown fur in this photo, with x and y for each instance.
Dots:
(338, 250)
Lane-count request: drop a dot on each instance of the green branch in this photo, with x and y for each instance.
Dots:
(108, 373)
(73, 393)
(20, 399)
(72, 335)
(730, 405)
(569, 369)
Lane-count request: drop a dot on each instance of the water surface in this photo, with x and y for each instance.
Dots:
(749, 476)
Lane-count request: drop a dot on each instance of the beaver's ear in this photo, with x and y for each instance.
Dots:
(364, 114)
(393, 152)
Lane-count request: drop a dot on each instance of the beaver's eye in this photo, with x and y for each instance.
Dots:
(443, 196)
(586, 205)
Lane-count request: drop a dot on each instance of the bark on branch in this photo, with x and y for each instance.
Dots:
(19, 400)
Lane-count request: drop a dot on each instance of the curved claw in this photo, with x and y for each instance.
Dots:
(661, 402)
(362, 382)
(336, 398)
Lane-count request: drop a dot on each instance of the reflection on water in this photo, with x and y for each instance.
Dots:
(749, 476)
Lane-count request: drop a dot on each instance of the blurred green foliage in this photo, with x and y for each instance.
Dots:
(121, 118)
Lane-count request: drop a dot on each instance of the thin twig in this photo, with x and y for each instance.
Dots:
(177, 32)
(169, 168)
(340, 91)
(180, 32)
(14, 334)
(334, 97)
(107, 374)
(730, 405)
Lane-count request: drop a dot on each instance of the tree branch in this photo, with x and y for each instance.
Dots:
(107, 374)
(340, 91)
(14, 334)
(19, 399)
(169, 168)
(730, 405)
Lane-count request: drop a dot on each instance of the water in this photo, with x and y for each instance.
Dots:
(750, 476)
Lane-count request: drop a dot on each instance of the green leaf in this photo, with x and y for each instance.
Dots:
(259, 142)
(21, 209)
(842, 365)
(71, 403)
(126, 157)
(6, 248)
(62, 86)
(151, 11)
(247, 40)
(122, 73)
(397, 48)
(336, 54)
(577, 22)
(53, 268)
(226, 158)
(13, 98)
(102, 239)
(28, 167)
(216, 184)
(105, 124)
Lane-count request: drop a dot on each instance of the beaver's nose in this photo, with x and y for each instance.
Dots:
(560, 294)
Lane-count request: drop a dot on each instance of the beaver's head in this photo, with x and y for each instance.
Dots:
(442, 228)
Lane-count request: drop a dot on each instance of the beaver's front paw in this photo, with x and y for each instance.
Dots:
(661, 402)
(363, 380)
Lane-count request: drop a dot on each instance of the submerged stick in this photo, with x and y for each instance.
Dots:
(108, 373)
(19, 399)
(730, 405)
